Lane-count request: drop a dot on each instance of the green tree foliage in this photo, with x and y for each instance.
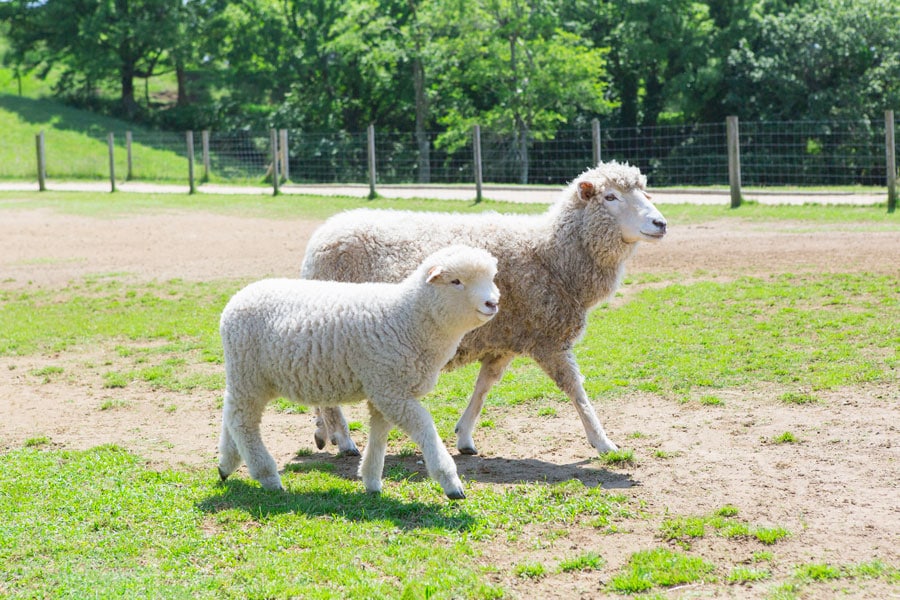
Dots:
(520, 67)
(822, 59)
(93, 41)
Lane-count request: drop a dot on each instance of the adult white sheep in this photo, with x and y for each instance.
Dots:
(553, 268)
(325, 343)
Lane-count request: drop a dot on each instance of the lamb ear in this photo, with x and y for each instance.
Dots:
(586, 190)
(434, 273)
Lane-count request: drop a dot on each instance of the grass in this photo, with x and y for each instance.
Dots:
(101, 523)
(73, 520)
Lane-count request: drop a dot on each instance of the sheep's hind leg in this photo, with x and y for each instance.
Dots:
(415, 420)
(371, 466)
(331, 425)
(229, 457)
(563, 369)
(492, 369)
(242, 417)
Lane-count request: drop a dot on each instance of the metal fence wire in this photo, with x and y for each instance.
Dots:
(818, 153)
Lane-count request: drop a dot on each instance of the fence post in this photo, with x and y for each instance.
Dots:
(112, 161)
(273, 141)
(189, 138)
(285, 168)
(371, 152)
(595, 136)
(130, 174)
(41, 162)
(890, 152)
(734, 160)
(204, 141)
(476, 157)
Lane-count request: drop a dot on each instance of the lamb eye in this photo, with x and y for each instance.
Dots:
(456, 282)
(610, 197)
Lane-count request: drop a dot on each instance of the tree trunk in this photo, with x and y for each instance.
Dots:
(181, 77)
(522, 138)
(129, 105)
(421, 120)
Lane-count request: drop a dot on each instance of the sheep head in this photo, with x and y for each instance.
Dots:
(617, 193)
(464, 278)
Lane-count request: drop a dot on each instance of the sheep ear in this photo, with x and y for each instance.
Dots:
(434, 273)
(586, 190)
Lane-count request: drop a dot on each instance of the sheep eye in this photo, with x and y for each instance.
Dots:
(610, 197)
(456, 282)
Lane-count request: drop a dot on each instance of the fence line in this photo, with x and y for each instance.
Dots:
(816, 153)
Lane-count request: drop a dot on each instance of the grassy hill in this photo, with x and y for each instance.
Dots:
(76, 143)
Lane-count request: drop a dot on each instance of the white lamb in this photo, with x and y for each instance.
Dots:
(326, 343)
(553, 268)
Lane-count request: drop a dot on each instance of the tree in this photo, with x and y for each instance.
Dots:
(508, 66)
(825, 59)
(93, 41)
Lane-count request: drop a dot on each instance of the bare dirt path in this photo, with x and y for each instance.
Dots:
(836, 492)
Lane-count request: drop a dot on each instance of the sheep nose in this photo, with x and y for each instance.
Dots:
(491, 305)
(660, 224)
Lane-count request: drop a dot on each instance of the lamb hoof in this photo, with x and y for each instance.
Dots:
(456, 495)
(469, 450)
(350, 452)
(320, 441)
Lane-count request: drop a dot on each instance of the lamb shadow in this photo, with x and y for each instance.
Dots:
(353, 506)
(476, 468)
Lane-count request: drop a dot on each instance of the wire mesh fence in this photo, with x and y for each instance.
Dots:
(832, 153)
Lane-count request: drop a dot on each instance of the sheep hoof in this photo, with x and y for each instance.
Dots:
(320, 441)
(350, 452)
(456, 495)
(470, 450)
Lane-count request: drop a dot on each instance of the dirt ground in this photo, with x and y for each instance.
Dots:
(836, 491)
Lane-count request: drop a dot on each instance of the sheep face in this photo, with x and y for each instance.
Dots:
(638, 219)
(465, 284)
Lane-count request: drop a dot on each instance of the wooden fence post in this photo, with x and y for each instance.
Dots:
(112, 161)
(273, 141)
(891, 156)
(371, 152)
(476, 157)
(41, 162)
(204, 141)
(595, 136)
(189, 138)
(734, 160)
(130, 174)
(285, 167)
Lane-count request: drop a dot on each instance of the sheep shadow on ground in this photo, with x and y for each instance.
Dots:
(504, 471)
(260, 504)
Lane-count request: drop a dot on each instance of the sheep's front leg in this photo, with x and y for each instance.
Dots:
(372, 464)
(563, 369)
(415, 421)
(241, 417)
(492, 369)
(331, 425)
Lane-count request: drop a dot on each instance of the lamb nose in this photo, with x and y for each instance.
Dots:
(490, 304)
(660, 224)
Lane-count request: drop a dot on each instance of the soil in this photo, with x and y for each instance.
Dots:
(836, 491)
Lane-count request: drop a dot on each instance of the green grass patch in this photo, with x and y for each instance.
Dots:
(660, 567)
(685, 529)
(786, 438)
(588, 561)
(798, 398)
(99, 523)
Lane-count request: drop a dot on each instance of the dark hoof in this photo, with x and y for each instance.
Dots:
(320, 441)
(222, 476)
(471, 450)
(457, 495)
(353, 452)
